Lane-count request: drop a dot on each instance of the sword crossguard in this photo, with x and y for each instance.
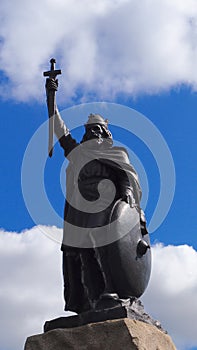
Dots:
(53, 72)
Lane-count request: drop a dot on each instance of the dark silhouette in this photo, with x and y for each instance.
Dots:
(106, 248)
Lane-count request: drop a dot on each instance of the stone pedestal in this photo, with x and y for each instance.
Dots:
(116, 334)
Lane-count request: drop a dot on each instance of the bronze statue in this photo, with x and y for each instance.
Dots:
(107, 264)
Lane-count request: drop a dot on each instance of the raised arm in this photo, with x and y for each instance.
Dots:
(59, 126)
(67, 142)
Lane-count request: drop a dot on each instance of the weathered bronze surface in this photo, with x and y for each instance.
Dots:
(106, 247)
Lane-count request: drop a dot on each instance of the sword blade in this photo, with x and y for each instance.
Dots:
(51, 111)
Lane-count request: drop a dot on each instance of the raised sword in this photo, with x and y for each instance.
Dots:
(52, 74)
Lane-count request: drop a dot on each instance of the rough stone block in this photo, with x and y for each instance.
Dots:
(118, 334)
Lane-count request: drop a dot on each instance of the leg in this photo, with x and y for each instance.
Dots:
(92, 278)
(74, 293)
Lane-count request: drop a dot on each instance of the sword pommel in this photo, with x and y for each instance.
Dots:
(52, 61)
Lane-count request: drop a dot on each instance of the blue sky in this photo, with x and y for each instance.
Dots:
(142, 56)
(173, 113)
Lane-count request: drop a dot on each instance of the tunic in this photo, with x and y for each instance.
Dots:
(97, 178)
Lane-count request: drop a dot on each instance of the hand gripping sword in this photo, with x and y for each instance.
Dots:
(51, 103)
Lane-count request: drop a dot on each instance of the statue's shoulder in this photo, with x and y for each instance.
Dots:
(122, 152)
(120, 149)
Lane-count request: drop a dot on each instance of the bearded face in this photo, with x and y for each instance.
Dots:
(97, 132)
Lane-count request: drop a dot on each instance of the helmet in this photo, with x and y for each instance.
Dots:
(96, 119)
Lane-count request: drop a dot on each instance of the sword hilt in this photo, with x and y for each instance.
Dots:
(53, 72)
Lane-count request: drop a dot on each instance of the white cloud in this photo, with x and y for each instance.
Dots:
(31, 285)
(171, 294)
(31, 289)
(103, 48)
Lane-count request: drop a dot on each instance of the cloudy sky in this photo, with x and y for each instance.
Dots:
(141, 55)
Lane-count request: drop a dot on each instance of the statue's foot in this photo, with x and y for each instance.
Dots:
(107, 301)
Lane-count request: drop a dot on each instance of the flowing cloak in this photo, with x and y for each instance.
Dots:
(95, 215)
